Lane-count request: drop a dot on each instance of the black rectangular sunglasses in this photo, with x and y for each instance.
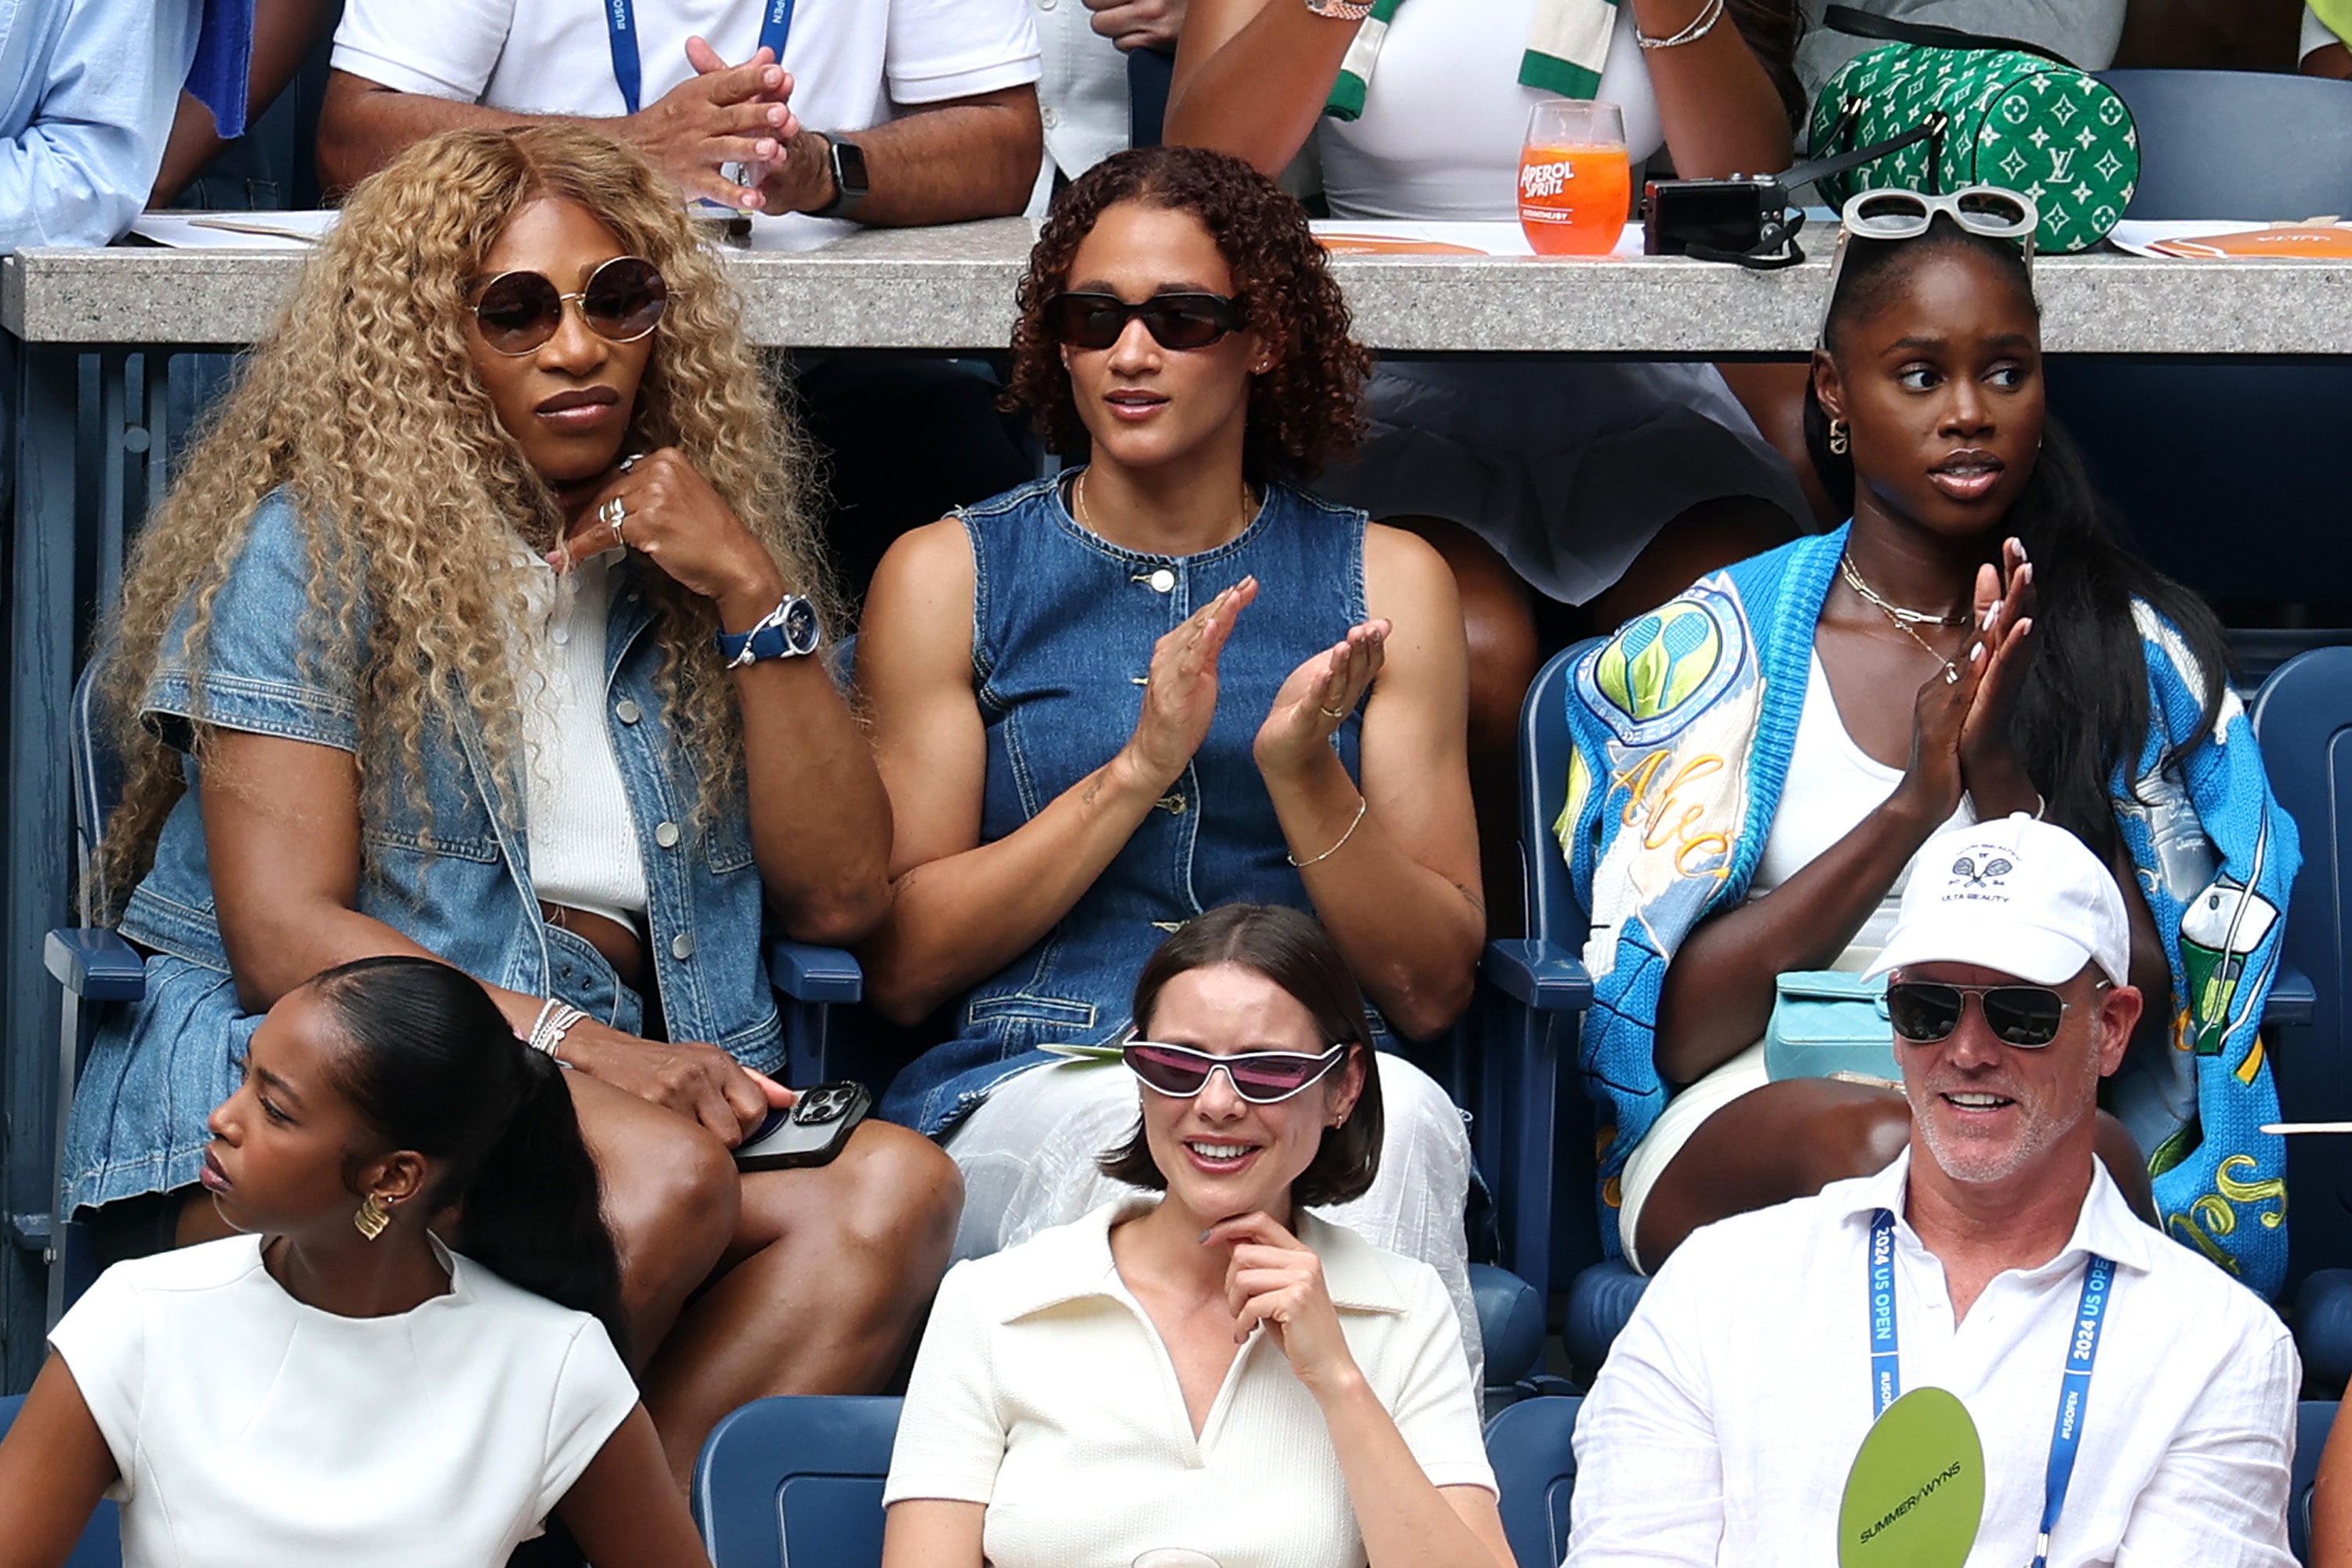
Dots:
(1093, 320)
(1924, 1011)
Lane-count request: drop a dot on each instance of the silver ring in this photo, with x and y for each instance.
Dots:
(612, 513)
(631, 461)
(1332, 712)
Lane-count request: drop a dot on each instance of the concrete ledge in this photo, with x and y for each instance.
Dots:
(952, 288)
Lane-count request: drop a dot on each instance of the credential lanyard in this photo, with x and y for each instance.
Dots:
(2074, 1389)
(621, 32)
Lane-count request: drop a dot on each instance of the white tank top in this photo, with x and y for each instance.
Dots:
(582, 835)
(1445, 115)
(1833, 784)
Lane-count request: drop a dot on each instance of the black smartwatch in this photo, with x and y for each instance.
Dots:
(849, 161)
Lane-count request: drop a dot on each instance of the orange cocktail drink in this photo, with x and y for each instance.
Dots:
(1573, 201)
(1575, 180)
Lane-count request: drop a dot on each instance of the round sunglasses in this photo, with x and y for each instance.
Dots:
(1924, 1012)
(622, 301)
(1261, 1078)
(1092, 321)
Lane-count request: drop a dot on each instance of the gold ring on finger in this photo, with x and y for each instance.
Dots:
(1332, 712)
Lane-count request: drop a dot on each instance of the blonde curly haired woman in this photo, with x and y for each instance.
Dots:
(438, 647)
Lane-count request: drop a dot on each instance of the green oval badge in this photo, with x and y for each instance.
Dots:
(1915, 1494)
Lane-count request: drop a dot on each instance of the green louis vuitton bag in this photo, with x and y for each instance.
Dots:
(2004, 117)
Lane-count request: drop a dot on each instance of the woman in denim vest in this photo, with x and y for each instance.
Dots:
(1106, 701)
(423, 656)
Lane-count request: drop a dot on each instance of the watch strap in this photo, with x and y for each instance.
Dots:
(768, 639)
(846, 161)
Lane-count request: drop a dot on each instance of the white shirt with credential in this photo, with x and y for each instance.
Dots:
(1043, 1390)
(1721, 1428)
(853, 62)
(252, 1429)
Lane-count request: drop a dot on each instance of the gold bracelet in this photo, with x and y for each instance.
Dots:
(1363, 805)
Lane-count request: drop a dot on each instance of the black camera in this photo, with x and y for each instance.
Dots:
(1745, 217)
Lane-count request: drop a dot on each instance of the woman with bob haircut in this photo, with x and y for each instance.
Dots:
(480, 627)
(330, 1382)
(1760, 762)
(1162, 680)
(1219, 1376)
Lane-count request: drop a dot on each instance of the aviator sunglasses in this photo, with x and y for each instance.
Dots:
(1924, 1012)
(1090, 320)
(1261, 1078)
(622, 301)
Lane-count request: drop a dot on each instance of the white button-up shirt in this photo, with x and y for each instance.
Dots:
(1043, 1391)
(1722, 1427)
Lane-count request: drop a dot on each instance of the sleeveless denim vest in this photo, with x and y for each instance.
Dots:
(1064, 623)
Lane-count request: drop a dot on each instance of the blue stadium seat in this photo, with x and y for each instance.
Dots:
(1537, 994)
(2303, 718)
(98, 968)
(100, 1545)
(796, 1482)
(2228, 144)
(2312, 1424)
(1529, 1444)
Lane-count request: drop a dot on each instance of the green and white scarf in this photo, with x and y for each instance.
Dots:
(1566, 49)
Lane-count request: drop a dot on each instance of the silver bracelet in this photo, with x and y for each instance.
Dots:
(1341, 10)
(1699, 28)
(555, 1021)
(1363, 805)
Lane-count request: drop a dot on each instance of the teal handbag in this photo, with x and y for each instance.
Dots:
(1830, 1023)
(2005, 117)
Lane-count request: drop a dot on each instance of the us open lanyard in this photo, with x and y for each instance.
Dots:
(2073, 1390)
(621, 30)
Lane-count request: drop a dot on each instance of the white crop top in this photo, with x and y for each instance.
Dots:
(1833, 784)
(1445, 116)
(582, 835)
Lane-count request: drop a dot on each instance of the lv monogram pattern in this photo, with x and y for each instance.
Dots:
(2016, 121)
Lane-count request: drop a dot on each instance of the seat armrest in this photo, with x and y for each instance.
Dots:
(1540, 975)
(810, 974)
(2292, 999)
(95, 964)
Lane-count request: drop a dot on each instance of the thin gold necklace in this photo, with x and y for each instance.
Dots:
(1906, 621)
(1079, 502)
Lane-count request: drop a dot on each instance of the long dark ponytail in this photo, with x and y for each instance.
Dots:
(433, 1066)
(2084, 709)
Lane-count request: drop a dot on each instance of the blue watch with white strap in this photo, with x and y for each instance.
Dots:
(788, 631)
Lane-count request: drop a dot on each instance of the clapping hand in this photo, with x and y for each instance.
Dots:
(1180, 695)
(1273, 1279)
(2004, 619)
(1317, 699)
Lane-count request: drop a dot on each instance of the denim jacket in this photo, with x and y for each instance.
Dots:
(1063, 623)
(456, 880)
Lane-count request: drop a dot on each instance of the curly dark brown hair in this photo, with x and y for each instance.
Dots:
(1303, 412)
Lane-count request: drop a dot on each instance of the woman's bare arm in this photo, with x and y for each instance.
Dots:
(1402, 897)
(1252, 77)
(933, 1532)
(625, 1511)
(55, 1465)
(964, 910)
(283, 840)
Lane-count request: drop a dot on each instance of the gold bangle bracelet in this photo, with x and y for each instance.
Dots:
(1363, 805)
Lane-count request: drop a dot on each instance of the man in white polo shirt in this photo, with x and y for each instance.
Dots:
(890, 111)
(1722, 1427)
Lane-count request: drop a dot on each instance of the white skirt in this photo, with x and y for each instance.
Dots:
(1028, 1158)
(1567, 467)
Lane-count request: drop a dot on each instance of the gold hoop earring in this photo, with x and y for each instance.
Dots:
(1839, 442)
(371, 1218)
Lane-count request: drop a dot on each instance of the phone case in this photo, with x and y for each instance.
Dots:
(811, 1132)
